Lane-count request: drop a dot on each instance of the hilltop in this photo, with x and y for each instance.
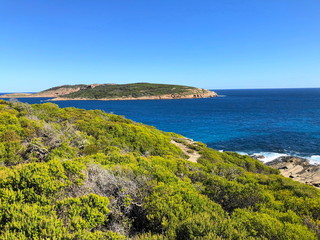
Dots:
(118, 92)
(68, 173)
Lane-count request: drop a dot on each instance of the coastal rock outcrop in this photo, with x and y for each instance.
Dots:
(299, 169)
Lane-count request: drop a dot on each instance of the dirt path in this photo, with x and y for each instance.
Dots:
(193, 155)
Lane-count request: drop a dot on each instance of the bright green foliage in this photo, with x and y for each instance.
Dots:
(207, 226)
(264, 225)
(40, 182)
(77, 174)
(232, 194)
(30, 221)
(150, 236)
(169, 205)
(10, 131)
(83, 213)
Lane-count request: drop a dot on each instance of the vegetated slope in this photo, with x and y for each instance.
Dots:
(76, 174)
(118, 92)
(138, 90)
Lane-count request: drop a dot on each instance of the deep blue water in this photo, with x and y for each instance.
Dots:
(264, 120)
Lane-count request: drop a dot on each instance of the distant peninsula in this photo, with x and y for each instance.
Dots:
(134, 91)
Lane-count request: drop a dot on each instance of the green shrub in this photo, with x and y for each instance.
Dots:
(76, 174)
(83, 213)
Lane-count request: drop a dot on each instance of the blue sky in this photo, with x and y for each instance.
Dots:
(204, 43)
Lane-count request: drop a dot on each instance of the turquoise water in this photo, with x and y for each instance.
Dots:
(268, 121)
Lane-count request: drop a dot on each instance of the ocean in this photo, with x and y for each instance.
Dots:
(268, 122)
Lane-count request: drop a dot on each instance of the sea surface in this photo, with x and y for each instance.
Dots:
(270, 122)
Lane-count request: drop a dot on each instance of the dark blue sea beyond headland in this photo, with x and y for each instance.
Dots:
(267, 121)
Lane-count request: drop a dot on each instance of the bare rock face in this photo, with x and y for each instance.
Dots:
(96, 85)
(50, 93)
(299, 169)
(203, 93)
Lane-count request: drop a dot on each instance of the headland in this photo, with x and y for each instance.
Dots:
(134, 91)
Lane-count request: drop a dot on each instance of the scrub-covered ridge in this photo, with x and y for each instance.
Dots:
(119, 92)
(69, 173)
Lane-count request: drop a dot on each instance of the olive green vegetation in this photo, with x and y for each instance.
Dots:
(76, 174)
(133, 90)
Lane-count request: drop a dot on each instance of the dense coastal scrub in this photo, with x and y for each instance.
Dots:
(134, 90)
(77, 174)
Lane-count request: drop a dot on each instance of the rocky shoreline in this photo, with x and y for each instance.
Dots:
(160, 97)
(298, 169)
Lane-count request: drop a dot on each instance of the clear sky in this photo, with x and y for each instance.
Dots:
(212, 44)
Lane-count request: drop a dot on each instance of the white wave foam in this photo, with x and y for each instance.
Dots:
(314, 159)
(265, 156)
(269, 156)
